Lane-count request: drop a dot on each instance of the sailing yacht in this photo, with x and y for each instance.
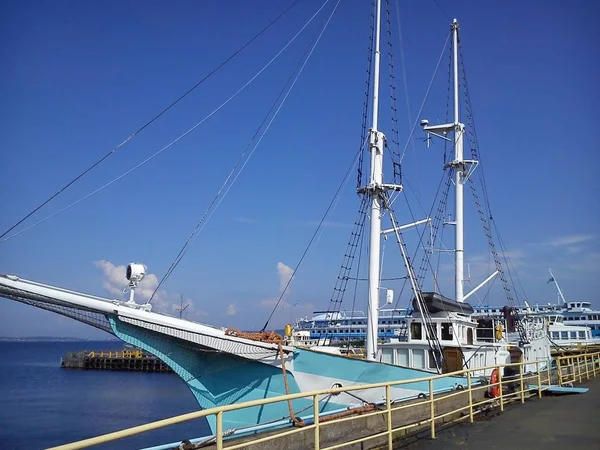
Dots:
(225, 366)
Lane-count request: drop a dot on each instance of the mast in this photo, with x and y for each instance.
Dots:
(461, 175)
(552, 278)
(459, 167)
(375, 190)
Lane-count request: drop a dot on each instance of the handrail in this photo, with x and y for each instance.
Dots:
(576, 367)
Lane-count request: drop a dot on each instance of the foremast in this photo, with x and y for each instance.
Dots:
(376, 190)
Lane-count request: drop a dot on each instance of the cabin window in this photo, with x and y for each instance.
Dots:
(415, 331)
(386, 355)
(581, 334)
(555, 335)
(573, 334)
(446, 331)
(564, 335)
(402, 357)
(432, 364)
(418, 358)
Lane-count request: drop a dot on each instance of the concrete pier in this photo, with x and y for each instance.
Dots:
(126, 360)
(549, 423)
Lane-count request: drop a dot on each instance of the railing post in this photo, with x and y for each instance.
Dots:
(220, 430)
(500, 389)
(388, 404)
(559, 371)
(587, 371)
(521, 370)
(579, 368)
(432, 408)
(316, 420)
(539, 378)
(470, 397)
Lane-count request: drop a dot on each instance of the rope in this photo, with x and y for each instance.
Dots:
(180, 136)
(365, 117)
(412, 131)
(337, 193)
(262, 336)
(295, 420)
(226, 184)
(139, 130)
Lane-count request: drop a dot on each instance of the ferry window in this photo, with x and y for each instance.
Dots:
(402, 357)
(415, 330)
(418, 358)
(564, 335)
(581, 334)
(576, 318)
(573, 334)
(446, 331)
(555, 335)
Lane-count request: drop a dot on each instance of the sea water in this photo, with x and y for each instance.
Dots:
(43, 405)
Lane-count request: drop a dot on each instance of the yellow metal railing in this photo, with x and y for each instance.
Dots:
(569, 369)
(128, 354)
(573, 368)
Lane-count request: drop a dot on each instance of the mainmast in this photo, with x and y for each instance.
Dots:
(461, 173)
(459, 177)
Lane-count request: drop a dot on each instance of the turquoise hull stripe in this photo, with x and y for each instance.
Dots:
(366, 372)
(218, 379)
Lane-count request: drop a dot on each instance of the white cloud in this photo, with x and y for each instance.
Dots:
(231, 310)
(570, 240)
(285, 274)
(164, 301)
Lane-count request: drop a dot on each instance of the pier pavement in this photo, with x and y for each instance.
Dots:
(550, 423)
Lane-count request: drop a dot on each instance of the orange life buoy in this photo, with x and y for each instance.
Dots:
(494, 388)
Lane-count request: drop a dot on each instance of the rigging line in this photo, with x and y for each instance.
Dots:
(360, 250)
(443, 11)
(226, 184)
(412, 131)
(176, 139)
(404, 77)
(147, 124)
(337, 193)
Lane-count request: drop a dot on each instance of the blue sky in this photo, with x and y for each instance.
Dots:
(79, 78)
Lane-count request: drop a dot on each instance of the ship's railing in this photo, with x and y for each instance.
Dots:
(430, 411)
(577, 367)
